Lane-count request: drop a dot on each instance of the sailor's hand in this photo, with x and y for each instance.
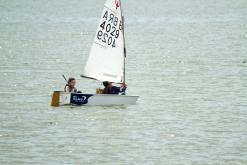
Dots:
(124, 85)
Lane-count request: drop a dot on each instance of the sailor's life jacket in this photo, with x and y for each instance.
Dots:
(114, 90)
(67, 88)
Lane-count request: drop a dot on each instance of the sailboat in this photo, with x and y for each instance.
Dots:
(106, 61)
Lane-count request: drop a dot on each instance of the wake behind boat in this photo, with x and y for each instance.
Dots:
(106, 61)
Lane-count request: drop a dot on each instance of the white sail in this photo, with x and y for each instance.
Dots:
(106, 58)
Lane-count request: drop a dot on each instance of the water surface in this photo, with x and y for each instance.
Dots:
(186, 59)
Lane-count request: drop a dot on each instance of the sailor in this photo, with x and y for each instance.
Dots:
(70, 86)
(109, 89)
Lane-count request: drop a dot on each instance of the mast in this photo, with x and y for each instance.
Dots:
(123, 43)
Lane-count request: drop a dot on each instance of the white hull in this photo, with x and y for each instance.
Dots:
(65, 98)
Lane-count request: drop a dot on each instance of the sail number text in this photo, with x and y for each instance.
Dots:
(110, 29)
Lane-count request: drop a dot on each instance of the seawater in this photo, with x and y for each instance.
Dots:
(187, 60)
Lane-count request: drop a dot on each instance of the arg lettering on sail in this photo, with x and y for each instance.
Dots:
(109, 29)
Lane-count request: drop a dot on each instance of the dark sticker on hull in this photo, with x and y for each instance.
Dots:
(79, 99)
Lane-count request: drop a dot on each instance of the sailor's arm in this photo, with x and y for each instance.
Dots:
(66, 88)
